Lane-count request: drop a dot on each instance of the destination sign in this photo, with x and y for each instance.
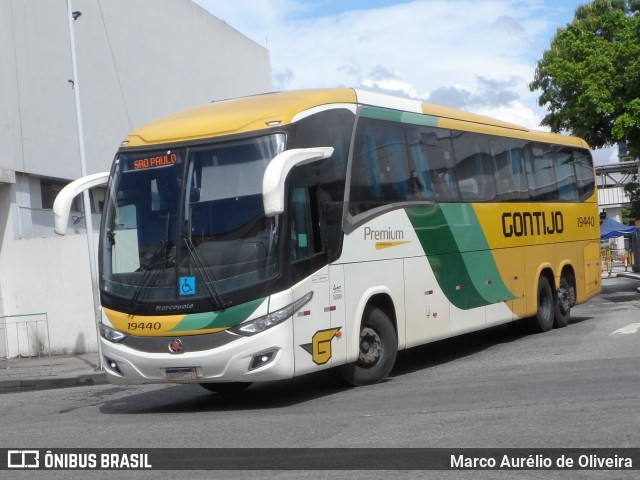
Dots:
(156, 161)
(139, 162)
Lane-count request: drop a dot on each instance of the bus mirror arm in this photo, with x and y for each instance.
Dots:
(275, 176)
(62, 203)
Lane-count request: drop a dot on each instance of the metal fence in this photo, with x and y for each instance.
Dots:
(616, 260)
(25, 345)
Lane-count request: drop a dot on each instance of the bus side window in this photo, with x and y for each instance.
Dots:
(380, 174)
(474, 166)
(584, 173)
(565, 174)
(370, 163)
(397, 165)
(540, 171)
(420, 182)
(510, 178)
(437, 147)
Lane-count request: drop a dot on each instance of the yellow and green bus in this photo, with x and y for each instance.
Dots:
(271, 236)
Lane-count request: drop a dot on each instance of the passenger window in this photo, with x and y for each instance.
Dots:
(432, 157)
(565, 174)
(584, 173)
(540, 171)
(474, 166)
(380, 174)
(510, 178)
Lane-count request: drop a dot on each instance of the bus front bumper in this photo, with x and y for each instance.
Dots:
(261, 357)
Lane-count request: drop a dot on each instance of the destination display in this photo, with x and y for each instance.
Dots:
(149, 161)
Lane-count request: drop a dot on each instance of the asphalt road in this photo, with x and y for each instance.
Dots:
(574, 387)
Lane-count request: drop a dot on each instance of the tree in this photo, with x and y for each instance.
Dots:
(633, 190)
(590, 76)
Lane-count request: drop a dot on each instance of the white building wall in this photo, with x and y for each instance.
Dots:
(612, 196)
(137, 60)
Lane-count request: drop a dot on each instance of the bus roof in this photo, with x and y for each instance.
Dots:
(259, 112)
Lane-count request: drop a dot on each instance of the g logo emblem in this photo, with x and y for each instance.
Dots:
(320, 346)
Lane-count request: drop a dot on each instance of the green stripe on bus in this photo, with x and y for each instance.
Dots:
(398, 116)
(459, 255)
(227, 318)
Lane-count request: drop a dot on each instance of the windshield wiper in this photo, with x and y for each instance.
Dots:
(208, 283)
(163, 249)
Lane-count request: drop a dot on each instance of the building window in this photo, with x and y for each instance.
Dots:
(49, 190)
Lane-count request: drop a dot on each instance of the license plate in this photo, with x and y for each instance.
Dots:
(181, 374)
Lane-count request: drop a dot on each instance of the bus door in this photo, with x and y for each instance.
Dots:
(312, 330)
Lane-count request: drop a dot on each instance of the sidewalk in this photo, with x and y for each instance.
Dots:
(46, 372)
(635, 276)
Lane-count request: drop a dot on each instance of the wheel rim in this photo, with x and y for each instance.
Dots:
(564, 300)
(370, 347)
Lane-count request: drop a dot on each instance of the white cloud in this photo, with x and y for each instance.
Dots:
(479, 55)
(604, 156)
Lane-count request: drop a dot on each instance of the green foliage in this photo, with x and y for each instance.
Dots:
(590, 76)
(633, 190)
(627, 216)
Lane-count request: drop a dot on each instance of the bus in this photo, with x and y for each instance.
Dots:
(276, 235)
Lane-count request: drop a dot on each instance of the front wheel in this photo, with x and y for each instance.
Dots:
(542, 321)
(378, 346)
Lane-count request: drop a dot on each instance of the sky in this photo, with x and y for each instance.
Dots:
(475, 55)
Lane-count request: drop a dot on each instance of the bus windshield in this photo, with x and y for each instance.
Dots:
(188, 224)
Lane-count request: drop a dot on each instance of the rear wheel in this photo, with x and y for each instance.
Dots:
(378, 346)
(542, 321)
(564, 299)
(226, 388)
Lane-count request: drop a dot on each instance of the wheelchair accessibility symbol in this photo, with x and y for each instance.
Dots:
(187, 285)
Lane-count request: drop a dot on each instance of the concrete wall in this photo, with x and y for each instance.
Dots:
(137, 60)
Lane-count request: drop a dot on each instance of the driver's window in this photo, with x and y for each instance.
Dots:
(301, 225)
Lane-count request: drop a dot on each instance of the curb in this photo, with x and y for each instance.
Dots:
(634, 276)
(14, 385)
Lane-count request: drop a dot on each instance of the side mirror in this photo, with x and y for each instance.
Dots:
(62, 203)
(275, 176)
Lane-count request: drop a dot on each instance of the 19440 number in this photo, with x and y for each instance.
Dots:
(144, 326)
(586, 222)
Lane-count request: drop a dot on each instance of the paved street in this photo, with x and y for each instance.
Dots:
(574, 387)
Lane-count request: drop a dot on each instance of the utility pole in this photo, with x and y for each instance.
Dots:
(73, 16)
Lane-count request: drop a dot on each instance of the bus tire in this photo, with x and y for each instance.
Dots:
(563, 300)
(542, 321)
(228, 388)
(378, 346)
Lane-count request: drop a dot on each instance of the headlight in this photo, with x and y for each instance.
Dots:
(111, 334)
(261, 324)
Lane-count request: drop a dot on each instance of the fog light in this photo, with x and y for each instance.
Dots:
(262, 359)
(113, 366)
